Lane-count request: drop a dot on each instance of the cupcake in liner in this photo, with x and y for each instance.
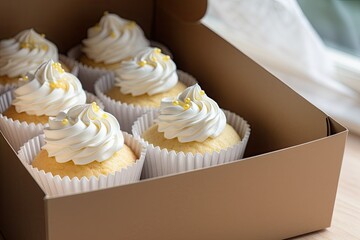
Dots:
(182, 121)
(64, 143)
(24, 117)
(126, 113)
(23, 53)
(71, 64)
(104, 49)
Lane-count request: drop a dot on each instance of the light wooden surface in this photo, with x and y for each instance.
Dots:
(346, 218)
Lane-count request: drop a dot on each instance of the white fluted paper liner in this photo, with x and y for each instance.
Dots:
(58, 186)
(160, 162)
(92, 98)
(70, 63)
(88, 75)
(125, 113)
(7, 87)
(16, 132)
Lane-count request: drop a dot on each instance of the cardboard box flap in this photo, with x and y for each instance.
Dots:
(223, 202)
(186, 10)
(65, 22)
(278, 116)
(22, 220)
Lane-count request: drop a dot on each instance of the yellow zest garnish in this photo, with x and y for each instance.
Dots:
(105, 115)
(142, 63)
(175, 103)
(202, 92)
(61, 83)
(95, 107)
(152, 58)
(187, 100)
(186, 106)
(112, 34)
(42, 35)
(65, 121)
(157, 50)
(166, 58)
(106, 13)
(58, 67)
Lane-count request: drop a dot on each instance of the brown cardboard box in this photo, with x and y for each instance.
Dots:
(285, 186)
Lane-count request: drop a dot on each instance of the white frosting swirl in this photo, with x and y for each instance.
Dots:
(149, 72)
(49, 91)
(24, 53)
(114, 39)
(192, 116)
(84, 134)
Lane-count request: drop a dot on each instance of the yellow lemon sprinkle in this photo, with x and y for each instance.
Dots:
(157, 50)
(142, 63)
(95, 107)
(186, 106)
(202, 92)
(106, 13)
(152, 58)
(166, 58)
(187, 100)
(131, 24)
(42, 35)
(112, 34)
(24, 45)
(65, 121)
(175, 103)
(105, 115)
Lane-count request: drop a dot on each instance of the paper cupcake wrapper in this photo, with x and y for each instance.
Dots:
(16, 132)
(125, 113)
(6, 87)
(60, 186)
(160, 162)
(88, 75)
(70, 63)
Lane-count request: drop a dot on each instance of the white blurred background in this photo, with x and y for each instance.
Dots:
(323, 65)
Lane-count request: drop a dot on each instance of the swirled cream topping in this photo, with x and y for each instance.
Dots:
(84, 134)
(191, 116)
(149, 72)
(49, 91)
(113, 40)
(24, 53)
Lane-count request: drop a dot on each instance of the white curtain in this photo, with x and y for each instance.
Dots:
(277, 35)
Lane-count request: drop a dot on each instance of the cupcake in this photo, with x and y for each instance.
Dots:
(26, 110)
(140, 83)
(111, 41)
(189, 132)
(83, 149)
(108, 43)
(23, 54)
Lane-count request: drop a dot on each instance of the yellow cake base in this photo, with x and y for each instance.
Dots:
(226, 139)
(89, 62)
(118, 161)
(145, 100)
(8, 80)
(24, 117)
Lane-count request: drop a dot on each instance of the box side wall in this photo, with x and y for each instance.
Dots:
(65, 22)
(21, 199)
(277, 115)
(285, 193)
